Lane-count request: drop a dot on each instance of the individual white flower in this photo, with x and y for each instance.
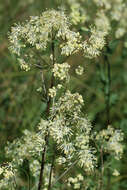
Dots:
(79, 70)
(61, 160)
(1, 170)
(77, 186)
(51, 57)
(59, 86)
(80, 177)
(115, 173)
(39, 89)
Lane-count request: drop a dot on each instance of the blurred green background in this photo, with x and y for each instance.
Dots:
(20, 104)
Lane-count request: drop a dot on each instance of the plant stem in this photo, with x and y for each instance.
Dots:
(47, 135)
(106, 81)
(15, 183)
(64, 172)
(108, 92)
(108, 108)
(102, 169)
(43, 163)
(51, 170)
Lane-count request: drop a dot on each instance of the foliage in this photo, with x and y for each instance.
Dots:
(65, 138)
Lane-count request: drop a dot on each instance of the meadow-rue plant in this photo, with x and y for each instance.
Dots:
(64, 138)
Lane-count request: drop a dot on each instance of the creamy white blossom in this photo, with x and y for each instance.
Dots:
(115, 173)
(112, 139)
(60, 71)
(79, 70)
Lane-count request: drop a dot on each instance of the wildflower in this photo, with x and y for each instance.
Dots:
(116, 173)
(79, 70)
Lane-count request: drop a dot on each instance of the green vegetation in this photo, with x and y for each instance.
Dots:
(63, 95)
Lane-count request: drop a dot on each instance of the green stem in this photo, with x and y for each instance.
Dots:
(108, 91)
(102, 170)
(108, 95)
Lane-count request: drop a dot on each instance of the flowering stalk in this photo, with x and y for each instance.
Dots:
(106, 81)
(51, 171)
(108, 106)
(47, 135)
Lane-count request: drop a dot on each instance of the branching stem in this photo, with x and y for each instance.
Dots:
(47, 135)
(108, 106)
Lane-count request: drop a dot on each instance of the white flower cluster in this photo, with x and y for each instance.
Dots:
(115, 10)
(61, 160)
(112, 139)
(75, 181)
(26, 147)
(30, 147)
(35, 167)
(60, 71)
(8, 173)
(40, 31)
(71, 131)
(69, 103)
(93, 43)
(122, 24)
(120, 32)
(87, 159)
(53, 91)
(72, 42)
(86, 154)
(78, 15)
(106, 12)
(103, 3)
(96, 42)
(23, 64)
